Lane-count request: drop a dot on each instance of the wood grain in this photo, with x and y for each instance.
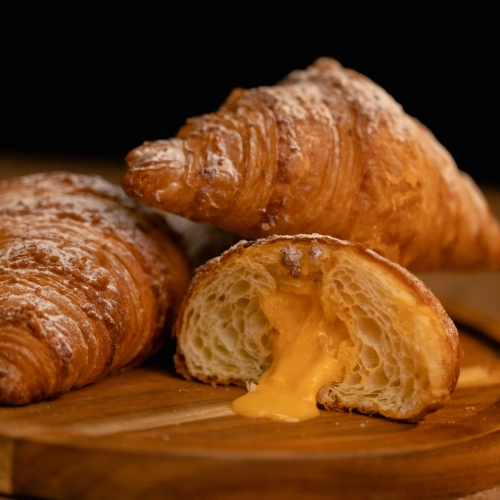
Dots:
(147, 433)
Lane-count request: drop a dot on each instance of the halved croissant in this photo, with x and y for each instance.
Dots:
(325, 151)
(88, 282)
(314, 319)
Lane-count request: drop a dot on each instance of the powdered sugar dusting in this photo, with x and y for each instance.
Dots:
(314, 253)
(81, 279)
(300, 102)
(285, 104)
(159, 155)
(290, 258)
(220, 165)
(369, 99)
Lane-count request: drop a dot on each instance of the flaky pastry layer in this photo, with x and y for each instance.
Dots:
(325, 151)
(89, 281)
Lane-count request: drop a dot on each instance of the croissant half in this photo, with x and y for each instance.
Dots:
(313, 319)
(326, 151)
(88, 282)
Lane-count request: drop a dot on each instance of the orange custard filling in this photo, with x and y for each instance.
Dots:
(306, 348)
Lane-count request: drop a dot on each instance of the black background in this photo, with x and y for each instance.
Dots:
(97, 84)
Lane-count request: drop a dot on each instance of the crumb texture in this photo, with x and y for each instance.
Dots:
(389, 345)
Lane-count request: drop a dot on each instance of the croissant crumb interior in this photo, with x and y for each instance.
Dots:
(308, 328)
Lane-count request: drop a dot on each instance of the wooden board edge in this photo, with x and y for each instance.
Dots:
(64, 472)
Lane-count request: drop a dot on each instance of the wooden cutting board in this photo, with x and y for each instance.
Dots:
(149, 434)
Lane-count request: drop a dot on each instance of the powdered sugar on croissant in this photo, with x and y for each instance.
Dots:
(325, 151)
(88, 283)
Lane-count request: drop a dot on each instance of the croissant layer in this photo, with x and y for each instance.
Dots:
(325, 151)
(88, 283)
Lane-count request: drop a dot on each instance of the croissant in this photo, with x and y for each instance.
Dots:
(88, 283)
(326, 151)
(313, 319)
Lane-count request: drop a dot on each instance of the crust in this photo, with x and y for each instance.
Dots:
(89, 283)
(325, 151)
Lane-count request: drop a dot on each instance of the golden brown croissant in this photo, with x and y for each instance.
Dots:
(325, 151)
(316, 319)
(88, 281)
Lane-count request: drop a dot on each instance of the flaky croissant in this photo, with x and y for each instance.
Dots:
(310, 318)
(325, 151)
(88, 283)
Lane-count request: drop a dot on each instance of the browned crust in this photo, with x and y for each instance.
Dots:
(89, 283)
(325, 151)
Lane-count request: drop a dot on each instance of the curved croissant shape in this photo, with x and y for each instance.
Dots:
(312, 319)
(88, 281)
(325, 151)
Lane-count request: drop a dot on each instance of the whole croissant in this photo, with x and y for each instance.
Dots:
(88, 282)
(325, 151)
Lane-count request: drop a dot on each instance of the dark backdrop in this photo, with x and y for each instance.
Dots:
(94, 84)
